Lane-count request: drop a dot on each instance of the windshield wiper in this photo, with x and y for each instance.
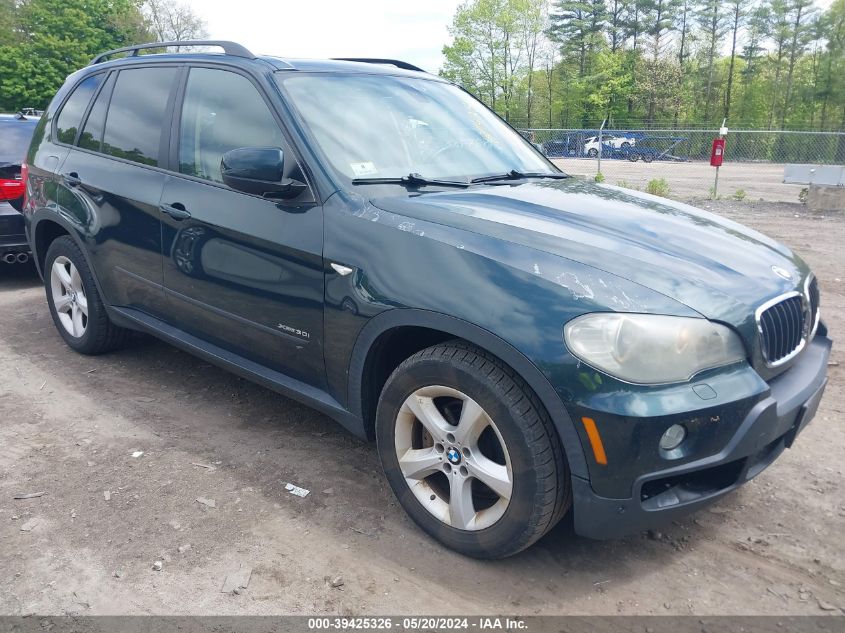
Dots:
(513, 174)
(410, 179)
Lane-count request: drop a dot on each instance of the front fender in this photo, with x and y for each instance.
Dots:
(484, 339)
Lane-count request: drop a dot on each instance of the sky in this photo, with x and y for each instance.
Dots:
(412, 31)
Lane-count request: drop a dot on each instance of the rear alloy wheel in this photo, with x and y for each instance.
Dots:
(592, 152)
(74, 300)
(69, 297)
(470, 452)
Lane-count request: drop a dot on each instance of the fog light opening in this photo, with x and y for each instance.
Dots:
(673, 437)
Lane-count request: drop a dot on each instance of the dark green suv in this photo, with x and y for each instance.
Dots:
(373, 241)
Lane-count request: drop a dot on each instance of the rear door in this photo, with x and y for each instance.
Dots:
(241, 271)
(111, 182)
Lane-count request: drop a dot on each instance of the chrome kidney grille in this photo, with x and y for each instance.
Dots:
(787, 322)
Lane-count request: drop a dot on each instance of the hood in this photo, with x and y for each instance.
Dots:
(717, 267)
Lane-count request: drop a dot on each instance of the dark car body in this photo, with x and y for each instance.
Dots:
(254, 285)
(15, 135)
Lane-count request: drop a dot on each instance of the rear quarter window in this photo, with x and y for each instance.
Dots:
(70, 117)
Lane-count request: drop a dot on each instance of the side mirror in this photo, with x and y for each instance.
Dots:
(259, 171)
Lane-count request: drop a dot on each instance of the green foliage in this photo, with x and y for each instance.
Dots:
(740, 195)
(599, 177)
(658, 187)
(53, 38)
(655, 63)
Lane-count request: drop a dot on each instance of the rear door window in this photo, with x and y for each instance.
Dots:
(70, 118)
(138, 114)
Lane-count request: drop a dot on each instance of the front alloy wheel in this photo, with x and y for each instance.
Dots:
(470, 452)
(453, 458)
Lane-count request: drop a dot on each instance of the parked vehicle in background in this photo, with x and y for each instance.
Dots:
(591, 145)
(15, 134)
(373, 241)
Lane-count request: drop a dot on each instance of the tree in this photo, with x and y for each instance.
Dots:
(577, 25)
(738, 10)
(660, 20)
(474, 55)
(8, 36)
(834, 64)
(171, 21)
(801, 10)
(760, 62)
(753, 54)
(711, 18)
(56, 37)
(684, 16)
(532, 22)
(490, 48)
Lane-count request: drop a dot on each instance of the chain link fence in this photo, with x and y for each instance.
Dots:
(676, 163)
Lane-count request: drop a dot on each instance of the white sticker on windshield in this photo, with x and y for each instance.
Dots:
(363, 169)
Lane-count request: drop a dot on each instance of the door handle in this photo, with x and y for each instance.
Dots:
(72, 179)
(176, 211)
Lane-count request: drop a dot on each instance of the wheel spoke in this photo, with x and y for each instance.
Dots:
(76, 317)
(63, 275)
(82, 302)
(418, 463)
(62, 303)
(473, 421)
(461, 509)
(424, 410)
(75, 280)
(493, 475)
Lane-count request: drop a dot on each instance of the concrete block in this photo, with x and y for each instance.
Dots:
(824, 198)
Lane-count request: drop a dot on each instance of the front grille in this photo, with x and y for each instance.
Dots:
(782, 328)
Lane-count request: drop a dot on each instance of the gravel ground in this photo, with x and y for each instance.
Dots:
(758, 181)
(71, 425)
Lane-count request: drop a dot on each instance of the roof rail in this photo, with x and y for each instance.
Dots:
(373, 60)
(230, 48)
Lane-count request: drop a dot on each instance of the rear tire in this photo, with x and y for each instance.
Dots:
(592, 152)
(454, 420)
(75, 304)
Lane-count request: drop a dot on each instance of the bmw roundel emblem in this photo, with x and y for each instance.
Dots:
(782, 273)
(453, 456)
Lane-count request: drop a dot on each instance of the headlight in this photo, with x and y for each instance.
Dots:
(651, 348)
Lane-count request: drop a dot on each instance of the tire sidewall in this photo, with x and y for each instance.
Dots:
(65, 247)
(511, 527)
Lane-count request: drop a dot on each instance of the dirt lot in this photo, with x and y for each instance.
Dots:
(69, 426)
(759, 181)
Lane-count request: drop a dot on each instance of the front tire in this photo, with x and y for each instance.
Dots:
(470, 452)
(75, 304)
(592, 152)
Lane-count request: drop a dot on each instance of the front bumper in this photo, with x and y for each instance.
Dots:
(659, 496)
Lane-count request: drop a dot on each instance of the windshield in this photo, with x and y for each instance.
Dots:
(381, 126)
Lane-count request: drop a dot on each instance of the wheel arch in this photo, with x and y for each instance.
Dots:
(366, 375)
(46, 227)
